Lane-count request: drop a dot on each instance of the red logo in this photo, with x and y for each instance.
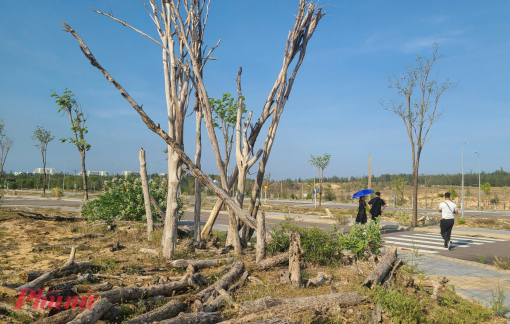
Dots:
(50, 302)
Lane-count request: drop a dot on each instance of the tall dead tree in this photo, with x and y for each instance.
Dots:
(146, 193)
(5, 145)
(418, 114)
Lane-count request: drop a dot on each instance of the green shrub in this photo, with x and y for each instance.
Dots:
(461, 221)
(57, 192)
(403, 306)
(123, 199)
(328, 194)
(362, 238)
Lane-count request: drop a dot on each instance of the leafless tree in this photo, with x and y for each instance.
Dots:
(5, 145)
(421, 113)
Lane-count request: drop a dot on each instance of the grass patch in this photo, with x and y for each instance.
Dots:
(503, 264)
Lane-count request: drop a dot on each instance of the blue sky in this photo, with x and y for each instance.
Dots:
(334, 105)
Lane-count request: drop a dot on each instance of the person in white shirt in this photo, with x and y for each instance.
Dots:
(447, 209)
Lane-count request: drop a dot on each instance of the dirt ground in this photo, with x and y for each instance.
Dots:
(19, 236)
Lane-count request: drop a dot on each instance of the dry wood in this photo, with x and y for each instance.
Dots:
(38, 282)
(277, 311)
(58, 246)
(198, 306)
(377, 315)
(199, 263)
(155, 204)
(255, 280)
(29, 214)
(70, 262)
(69, 283)
(133, 293)
(146, 194)
(321, 279)
(261, 237)
(88, 235)
(438, 285)
(236, 270)
(115, 246)
(195, 318)
(377, 275)
(151, 251)
(340, 299)
(295, 259)
(284, 277)
(26, 276)
(169, 310)
(93, 314)
(61, 317)
(238, 284)
(79, 289)
(8, 308)
(279, 259)
(397, 264)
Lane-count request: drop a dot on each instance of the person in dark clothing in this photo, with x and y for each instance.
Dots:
(362, 211)
(377, 205)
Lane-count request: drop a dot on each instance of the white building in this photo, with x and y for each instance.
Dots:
(22, 172)
(126, 173)
(48, 171)
(96, 173)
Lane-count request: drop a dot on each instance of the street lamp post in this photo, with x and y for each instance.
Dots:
(462, 199)
(64, 181)
(479, 184)
(314, 193)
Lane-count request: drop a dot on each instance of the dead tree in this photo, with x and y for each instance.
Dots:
(5, 145)
(146, 194)
(295, 259)
(420, 114)
(261, 237)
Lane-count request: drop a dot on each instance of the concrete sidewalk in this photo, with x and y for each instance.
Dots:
(479, 282)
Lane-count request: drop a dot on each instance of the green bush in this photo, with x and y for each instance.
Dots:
(362, 238)
(403, 306)
(461, 221)
(328, 194)
(123, 199)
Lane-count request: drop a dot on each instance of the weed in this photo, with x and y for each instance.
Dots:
(403, 306)
(56, 192)
(461, 221)
(481, 258)
(498, 300)
(501, 263)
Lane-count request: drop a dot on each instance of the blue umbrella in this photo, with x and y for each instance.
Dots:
(363, 192)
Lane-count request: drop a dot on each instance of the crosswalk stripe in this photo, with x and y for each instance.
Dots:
(441, 239)
(463, 237)
(416, 245)
(429, 242)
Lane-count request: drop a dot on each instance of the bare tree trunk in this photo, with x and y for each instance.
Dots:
(198, 186)
(84, 175)
(170, 229)
(44, 179)
(295, 259)
(146, 194)
(261, 237)
(233, 233)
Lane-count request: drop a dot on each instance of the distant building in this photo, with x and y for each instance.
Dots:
(127, 173)
(48, 171)
(22, 172)
(96, 173)
(162, 175)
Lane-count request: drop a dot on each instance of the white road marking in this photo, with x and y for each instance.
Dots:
(424, 241)
(441, 239)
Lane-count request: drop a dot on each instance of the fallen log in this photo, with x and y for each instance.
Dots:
(39, 281)
(238, 284)
(195, 318)
(93, 314)
(77, 268)
(169, 310)
(61, 317)
(70, 262)
(65, 286)
(279, 259)
(199, 263)
(383, 267)
(79, 289)
(132, 293)
(224, 281)
(267, 313)
(295, 260)
(151, 251)
(32, 215)
(321, 279)
(58, 246)
(340, 299)
(99, 275)
(88, 235)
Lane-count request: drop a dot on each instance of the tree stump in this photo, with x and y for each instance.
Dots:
(295, 259)
(377, 275)
(261, 237)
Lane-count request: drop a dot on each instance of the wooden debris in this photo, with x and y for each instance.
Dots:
(32, 215)
(199, 307)
(236, 270)
(256, 280)
(195, 318)
(438, 285)
(132, 293)
(279, 259)
(79, 289)
(377, 275)
(340, 299)
(377, 315)
(321, 279)
(93, 314)
(151, 251)
(62, 317)
(261, 237)
(70, 262)
(284, 276)
(238, 284)
(38, 282)
(169, 310)
(115, 247)
(88, 235)
(58, 246)
(199, 263)
(295, 259)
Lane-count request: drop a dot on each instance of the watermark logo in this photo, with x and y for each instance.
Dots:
(48, 301)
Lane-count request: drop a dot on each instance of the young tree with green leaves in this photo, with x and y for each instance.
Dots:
(398, 186)
(44, 138)
(420, 113)
(486, 189)
(320, 162)
(72, 108)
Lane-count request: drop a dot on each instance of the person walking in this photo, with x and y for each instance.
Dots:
(447, 209)
(377, 206)
(362, 211)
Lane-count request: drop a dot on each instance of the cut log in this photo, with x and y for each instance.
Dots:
(93, 314)
(295, 259)
(88, 235)
(396, 265)
(70, 262)
(59, 218)
(133, 293)
(377, 314)
(79, 289)
(256, 280)
(38, 282)
(151, 251)
(279, 259)
(377, 275)
(270, 314)
(284, 276)
(146, 194)
(321, 279)
(58, 246)
(261, 237)
(169, 310)
(199, 263)
(340, 299)
(214, 305)
(238, 284)
(195, 318)
(64, 287)
(79, 267)
(61, 317)
(236, 270)
(115, 246)
(198, 306)
(27, 276)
